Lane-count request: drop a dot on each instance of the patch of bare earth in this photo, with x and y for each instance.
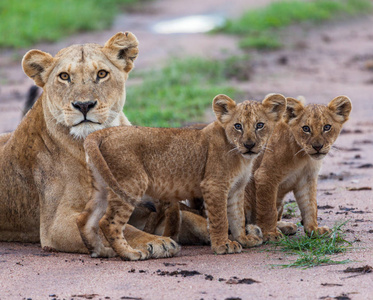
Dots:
(319, 63)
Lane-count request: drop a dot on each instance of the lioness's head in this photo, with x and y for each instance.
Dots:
(249, 124)
(84, 85)
(316, 127)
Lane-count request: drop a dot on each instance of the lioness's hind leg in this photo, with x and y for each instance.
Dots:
(287, 228)
(193, 229)
(88, 226)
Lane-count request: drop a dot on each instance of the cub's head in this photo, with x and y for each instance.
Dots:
(84, 85)
(316, 127)
(249, 124)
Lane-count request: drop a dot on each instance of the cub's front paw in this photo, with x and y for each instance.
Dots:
(103, 252)
(323, 230)
(126, 252)
(252, 229)
(287, 228)
(250, 240)
(227, 248)
(272, 236)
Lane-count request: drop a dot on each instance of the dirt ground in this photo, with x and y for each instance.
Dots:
(318, 63)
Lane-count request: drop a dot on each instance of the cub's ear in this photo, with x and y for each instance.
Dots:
(223, 107)
(122, 50)
(293, 108)
(36, 65)
(275, 105)
(341, 107)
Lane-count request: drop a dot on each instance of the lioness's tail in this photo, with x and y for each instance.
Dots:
(99, 166)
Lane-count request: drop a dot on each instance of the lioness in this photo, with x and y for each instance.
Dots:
(45, 182)
(177, 164)
(291, 162)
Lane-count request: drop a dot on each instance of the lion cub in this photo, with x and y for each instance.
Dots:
(176, 164)
(291, 162)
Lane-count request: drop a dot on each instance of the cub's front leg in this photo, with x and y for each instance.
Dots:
(305, 195)
(236, 219)
(215, 196)
(266, 210)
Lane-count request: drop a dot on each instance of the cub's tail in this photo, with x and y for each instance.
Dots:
(99, 167)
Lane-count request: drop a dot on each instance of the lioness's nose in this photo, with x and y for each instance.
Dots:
(249, 145)
(84, 107)
(317, 147)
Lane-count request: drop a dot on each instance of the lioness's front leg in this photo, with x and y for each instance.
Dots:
(88, 226)
(236, 218)
(215, 197)
(305, 195)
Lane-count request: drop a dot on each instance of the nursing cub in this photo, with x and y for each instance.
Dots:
(176, 164)
(291, 162)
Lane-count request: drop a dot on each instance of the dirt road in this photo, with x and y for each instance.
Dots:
(320, 64)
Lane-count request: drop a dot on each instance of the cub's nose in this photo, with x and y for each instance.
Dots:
(84, 107)
(249, 145)
(317, 147)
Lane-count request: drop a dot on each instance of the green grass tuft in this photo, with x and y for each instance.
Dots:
(314, 250)
(180, 92)
(261, 26)
(26, 22)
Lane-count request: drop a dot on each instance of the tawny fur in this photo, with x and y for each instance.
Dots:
(291, 162)
(176, 164)
(45, 182)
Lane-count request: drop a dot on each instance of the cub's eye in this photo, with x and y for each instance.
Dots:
(327, 127)
(306, 129)
(64, 76)
(102, 74)
(238, 126)
(259, 125)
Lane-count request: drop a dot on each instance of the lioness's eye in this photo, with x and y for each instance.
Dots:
(102, 74)
(306, 129)
(259, 125)
(327, 127)
(238, 126)
(64, 76)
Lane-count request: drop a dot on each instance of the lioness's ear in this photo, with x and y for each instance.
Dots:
(122, 50)
(274, 105)
(223, 107)
(293, 108)
(341, 107)
(36, 65)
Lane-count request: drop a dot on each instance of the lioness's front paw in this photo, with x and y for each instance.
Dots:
(287, 228)
(159, 247)
(323, 230)
(272, 235)
(228, 248)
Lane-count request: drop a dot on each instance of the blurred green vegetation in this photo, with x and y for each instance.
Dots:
(181, 91)
(29, 21)
(260, 27)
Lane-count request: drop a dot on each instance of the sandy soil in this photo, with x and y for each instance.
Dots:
(319, 63)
